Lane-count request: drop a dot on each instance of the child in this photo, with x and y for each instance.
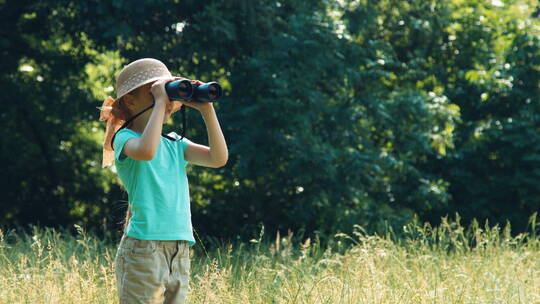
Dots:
(152, 262)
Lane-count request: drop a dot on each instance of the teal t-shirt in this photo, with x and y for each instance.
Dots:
(158, 191)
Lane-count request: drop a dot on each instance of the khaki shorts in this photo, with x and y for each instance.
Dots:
(150, 271)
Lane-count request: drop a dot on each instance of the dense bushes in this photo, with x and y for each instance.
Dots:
(336, 113)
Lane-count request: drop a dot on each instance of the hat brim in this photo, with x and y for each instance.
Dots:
(177, 105)
(146, 82)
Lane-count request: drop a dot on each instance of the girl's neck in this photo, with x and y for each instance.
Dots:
(139, 124)
(138, 128)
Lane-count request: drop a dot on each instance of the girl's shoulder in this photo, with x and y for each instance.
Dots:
(125, 132)
(123, 135)
(129, 130)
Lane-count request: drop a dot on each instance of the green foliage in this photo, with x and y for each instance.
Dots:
(335, 112)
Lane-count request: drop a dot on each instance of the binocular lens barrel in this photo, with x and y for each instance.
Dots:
(179, 89)
(207, 92)
(185, 90)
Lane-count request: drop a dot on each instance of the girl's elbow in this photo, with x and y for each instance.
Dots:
(146, 155)
(221, 164)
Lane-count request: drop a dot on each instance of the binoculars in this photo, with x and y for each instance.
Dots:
(186, 90)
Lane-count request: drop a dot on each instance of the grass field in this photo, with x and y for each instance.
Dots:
(444, 264)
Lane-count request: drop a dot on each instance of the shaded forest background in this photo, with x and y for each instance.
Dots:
(335, 112)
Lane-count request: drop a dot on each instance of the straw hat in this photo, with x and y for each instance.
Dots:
(138, 73)
(132, 76)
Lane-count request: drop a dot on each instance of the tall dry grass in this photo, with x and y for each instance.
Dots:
(420, 264)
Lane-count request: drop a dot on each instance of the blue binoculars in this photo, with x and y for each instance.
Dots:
(186, 90)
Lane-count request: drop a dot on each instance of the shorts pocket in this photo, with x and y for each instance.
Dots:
(143, 248)
(185, 267)
(185, 262)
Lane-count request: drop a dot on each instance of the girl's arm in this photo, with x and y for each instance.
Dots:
(216, 155)
(145, 147)
(218, 147)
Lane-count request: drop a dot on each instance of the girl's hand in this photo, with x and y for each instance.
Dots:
(201, 106)
(158, 91)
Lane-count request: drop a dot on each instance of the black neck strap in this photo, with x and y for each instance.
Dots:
(163, 134)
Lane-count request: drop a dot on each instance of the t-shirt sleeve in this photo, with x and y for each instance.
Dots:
(121, 138)
(182, 147)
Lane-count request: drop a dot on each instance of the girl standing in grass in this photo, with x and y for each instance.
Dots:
(152, 263)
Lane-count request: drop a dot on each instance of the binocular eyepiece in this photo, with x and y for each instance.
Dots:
(186, 90)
